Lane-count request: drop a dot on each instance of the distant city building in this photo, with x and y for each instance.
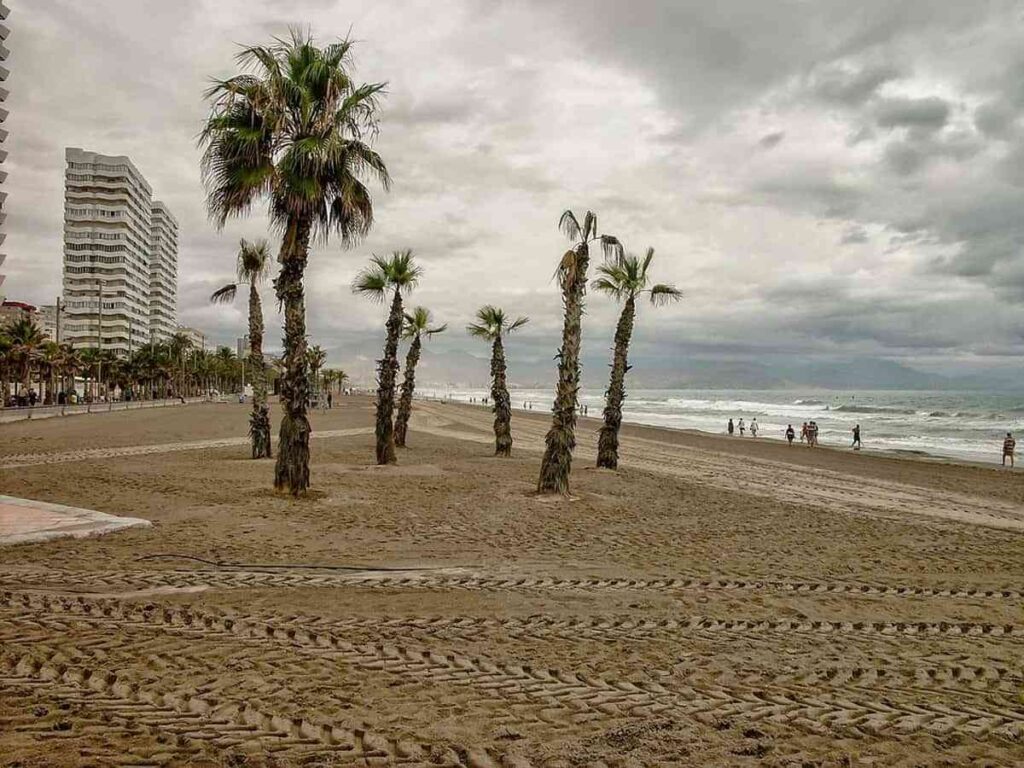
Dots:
(197, 337)
(48, 321)
(16, 310)
(4, 72)
(242, 346)
(120, 256)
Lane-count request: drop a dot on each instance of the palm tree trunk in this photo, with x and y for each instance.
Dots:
(292, 469)
(387, 373)
(608, 439)
(502, 404)
(259, 421)
(408, 387)
(561, 437)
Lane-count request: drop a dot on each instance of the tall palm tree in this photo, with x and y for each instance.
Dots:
(252, 269)
(492, 326)
(624, 279)
(398, 274)
(417, 326)
(572, 278)
(295, 129)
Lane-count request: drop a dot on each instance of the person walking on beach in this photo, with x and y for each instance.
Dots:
(730, 428)
(742, 426)
(790, 434)
(803, 433)
(753, 427)
(330, 399)
(856, 438)
(1009, 446)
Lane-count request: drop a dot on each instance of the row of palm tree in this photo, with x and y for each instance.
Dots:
(295, 130)
(174, 367)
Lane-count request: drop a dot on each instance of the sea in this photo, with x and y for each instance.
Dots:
(959, 425)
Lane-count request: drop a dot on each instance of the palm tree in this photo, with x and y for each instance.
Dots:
(26, 343)
(317, 357)
(417, 325)
(491, 326)
(295, 129)
(399, 274)
(572, 278)
(252, 268)
(624, 279)
(5, 367)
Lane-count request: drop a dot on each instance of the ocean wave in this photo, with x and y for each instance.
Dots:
(808, 401)
(875, 409)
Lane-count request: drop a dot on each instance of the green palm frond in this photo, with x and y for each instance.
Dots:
(254, 261)
(518, 323)
(384, 273)
(493, 323)
(293, 128)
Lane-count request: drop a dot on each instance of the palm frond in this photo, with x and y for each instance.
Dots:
(662, 294)
(371, 282)
(569, 226)
(225, 294)
(519, 323)
(611, 247)
(480, 331)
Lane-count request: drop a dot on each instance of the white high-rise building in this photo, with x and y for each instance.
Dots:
(163, 273)
(117, 270)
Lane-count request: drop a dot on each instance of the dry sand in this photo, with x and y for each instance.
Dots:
(715, 602)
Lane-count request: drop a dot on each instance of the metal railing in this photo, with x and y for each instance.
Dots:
(23, 413)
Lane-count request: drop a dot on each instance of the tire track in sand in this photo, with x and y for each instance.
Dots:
(569, 698)
(305, 578)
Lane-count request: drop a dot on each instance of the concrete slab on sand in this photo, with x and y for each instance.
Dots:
(23, 521)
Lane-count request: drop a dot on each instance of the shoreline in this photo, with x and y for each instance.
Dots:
(893, 454)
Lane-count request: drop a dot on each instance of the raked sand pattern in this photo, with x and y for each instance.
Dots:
(693, 612)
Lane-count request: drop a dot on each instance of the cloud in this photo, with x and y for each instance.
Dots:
(783, 186)
(929, 113)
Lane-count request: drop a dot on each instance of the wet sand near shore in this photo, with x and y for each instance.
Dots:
(715, 602)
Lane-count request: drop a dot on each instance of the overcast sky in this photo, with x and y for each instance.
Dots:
(822, 178)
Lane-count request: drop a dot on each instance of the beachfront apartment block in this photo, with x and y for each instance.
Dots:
(120, 256)
(4, 30)
(163, 274)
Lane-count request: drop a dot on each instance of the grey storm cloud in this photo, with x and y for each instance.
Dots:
(929, 113)
(859, 191)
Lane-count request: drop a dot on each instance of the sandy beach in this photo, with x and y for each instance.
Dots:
(715, 602)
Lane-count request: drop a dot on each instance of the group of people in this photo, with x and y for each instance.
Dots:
(742, 427)
(808, 433)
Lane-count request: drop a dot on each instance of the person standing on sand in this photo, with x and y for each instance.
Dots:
(742, 426)
(790, 434)
(730, 428)
(753, 427)
(803, 433)
(1009, 446)
(856, 438)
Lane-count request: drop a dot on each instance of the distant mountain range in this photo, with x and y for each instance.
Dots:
(465, 370)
